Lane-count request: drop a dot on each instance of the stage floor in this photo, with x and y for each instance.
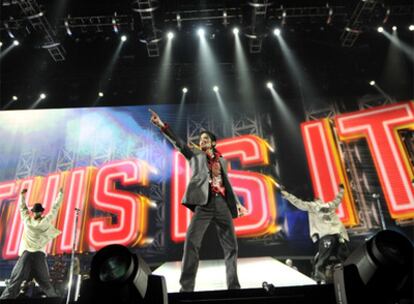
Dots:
(252, 273)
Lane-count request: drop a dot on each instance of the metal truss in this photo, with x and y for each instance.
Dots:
(355, 25)
(151, 35)
(224, 14)
(25, 164)
(98, 23)
(315, 114)
(246, 124)
(39, 22)
(256, 30)
(198, 123)
(65, 160)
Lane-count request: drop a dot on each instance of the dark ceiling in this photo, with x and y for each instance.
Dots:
(339, 62)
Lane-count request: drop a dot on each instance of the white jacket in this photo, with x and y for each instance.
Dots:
(323, 219)
(38, 233)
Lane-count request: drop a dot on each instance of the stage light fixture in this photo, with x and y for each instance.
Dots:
(216, 89)
(200, 32)
(170, 35)
(16, 42)
(119, 276)
(100, 94)
(42, 96)
(372, 82)
(15, 97)
(411, 27)
(269, 85)
(235, 31)
(394, 28)
(380, 29)
(185, 90)
(379, 271)
(276, 32)
(123, 38)
(1, 44)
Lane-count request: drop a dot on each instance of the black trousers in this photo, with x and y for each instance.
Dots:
(331, 251)
(218, 212)
(30, 265)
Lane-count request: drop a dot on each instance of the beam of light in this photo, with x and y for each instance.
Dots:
(36, 103)
(6, 51)
(210, 69)
(299, 76)
(170, 35)
(181, 107)
(236, 31)
(269, 85)
(276, 32)
(101, 94)
(380, 29)
(394, 28)
(411, 27)
(103, 82)
(216, 89)
(12, 100)
(242, 69)
(223, 110)
(381, 91)
(185, 90)
(281, 107)
(124, 38)
(1, 44)
(201, 32)
(164, 73)
(405, 48)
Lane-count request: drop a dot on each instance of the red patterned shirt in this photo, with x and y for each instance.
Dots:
(216, 179)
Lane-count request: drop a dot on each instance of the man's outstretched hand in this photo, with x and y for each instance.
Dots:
(155, 119)
(241, 210)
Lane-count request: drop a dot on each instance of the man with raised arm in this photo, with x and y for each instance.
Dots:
(38, 231)
(325, 227)
(211, 197)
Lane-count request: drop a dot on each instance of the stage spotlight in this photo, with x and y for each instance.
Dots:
(235, 31)
(394, 28)
(380, 29)
(118, 276)
(15, 97)
(200, 32)
(276, 32)
(100, 94)
(1, 44)
(379, 271)
(170, 35)
(372, 82)
(216, 89)
(411, 27)
(269, 85)
(185, 90)
(42, 96)
(123, 38)
(16, 42)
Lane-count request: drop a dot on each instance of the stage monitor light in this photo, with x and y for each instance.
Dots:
(216, 89)
(119, 276)
(201, 32)
(394, 28)
(411, 27)
(276, 32)
(123, 38)
(170, 35)
(380, 29)
(372, 83)
(42, 96)
(269, 85)
(235, 31)
(379, 271)
(15, 97)
(100, 94)
(16, 42)
(185, 90)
